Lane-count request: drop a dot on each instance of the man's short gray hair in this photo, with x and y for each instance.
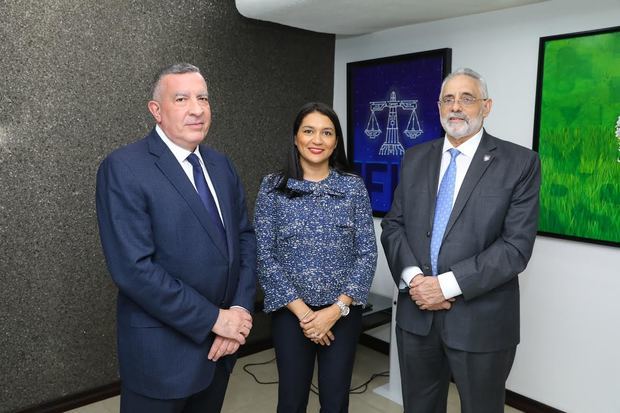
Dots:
(471, 73)
(174, 69)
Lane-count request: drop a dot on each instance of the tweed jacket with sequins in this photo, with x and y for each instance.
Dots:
(315, 243)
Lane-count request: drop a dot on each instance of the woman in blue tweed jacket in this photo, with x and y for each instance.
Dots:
(316, 259)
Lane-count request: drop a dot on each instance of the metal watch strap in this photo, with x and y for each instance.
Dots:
(344, 309)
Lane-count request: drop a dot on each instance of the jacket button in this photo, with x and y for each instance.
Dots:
(428, 234)
(426, 268)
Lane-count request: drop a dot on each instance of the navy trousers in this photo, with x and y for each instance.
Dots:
(296, 355)
(209, 400)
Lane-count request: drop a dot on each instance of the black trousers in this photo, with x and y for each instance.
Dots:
(296, 354)
(426, 364)
(209, 400)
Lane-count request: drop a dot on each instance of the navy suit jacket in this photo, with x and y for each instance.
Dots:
(173, 275)
(488, 240)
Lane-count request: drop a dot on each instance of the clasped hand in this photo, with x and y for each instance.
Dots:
(231, 329)
(318, 324)
(426, 293)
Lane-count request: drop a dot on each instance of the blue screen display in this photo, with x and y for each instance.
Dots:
(392, 105)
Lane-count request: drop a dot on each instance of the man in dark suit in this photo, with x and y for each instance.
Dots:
(178, 244)
(461, 228)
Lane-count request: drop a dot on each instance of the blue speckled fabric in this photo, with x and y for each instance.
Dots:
(315, 245)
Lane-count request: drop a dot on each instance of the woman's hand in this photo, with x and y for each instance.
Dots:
(317, 326)
(326, 340)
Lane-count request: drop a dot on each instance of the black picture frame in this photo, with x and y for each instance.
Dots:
(379, 92)
(577, 135)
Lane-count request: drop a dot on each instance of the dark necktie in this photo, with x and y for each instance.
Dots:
(443, 208)
(206, 196)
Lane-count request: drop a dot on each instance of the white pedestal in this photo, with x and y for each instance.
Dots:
(392, 389)
(389, 393)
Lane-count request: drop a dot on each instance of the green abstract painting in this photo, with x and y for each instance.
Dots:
(577, 134)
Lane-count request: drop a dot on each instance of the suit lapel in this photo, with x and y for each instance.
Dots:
(435, 154)
(170, 167)
(479, 164)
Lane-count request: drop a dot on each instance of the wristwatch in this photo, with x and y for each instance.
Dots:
(344, 309)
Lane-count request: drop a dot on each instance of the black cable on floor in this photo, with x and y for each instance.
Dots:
(364, 385)
(245, 368)
(314, 388)
(354, 390)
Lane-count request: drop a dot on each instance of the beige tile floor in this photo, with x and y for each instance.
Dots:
(245, 395)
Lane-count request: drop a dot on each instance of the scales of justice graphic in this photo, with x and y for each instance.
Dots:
(392, 144)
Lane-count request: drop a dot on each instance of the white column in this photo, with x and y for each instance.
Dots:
(392, 389)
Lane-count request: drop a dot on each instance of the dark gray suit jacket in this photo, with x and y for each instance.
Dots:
(487, 243)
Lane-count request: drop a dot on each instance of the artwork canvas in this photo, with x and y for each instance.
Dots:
(391, 106)
(577, 134)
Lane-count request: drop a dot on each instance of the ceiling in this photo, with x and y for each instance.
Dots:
(350, 17)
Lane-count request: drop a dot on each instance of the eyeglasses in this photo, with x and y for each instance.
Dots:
(462, 101)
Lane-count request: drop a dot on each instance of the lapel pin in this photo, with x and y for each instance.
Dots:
(486, 157)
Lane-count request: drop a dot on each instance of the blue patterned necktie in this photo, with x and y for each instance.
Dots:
(205, 195)
(443, 207)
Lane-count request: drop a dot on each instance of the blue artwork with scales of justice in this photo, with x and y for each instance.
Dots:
(392, 105)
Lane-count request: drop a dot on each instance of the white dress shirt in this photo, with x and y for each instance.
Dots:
(449, 286)
(181, 155)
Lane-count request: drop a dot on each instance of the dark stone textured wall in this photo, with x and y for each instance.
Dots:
(74, 81)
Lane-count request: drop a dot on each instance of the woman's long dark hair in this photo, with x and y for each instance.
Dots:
(338, 159)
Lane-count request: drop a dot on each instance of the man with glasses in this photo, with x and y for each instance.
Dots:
(461, 228)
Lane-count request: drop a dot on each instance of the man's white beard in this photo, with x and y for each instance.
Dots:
(469, 127)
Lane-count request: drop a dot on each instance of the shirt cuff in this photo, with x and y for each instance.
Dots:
(407, 275)
(449, 287)
(238, 306)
